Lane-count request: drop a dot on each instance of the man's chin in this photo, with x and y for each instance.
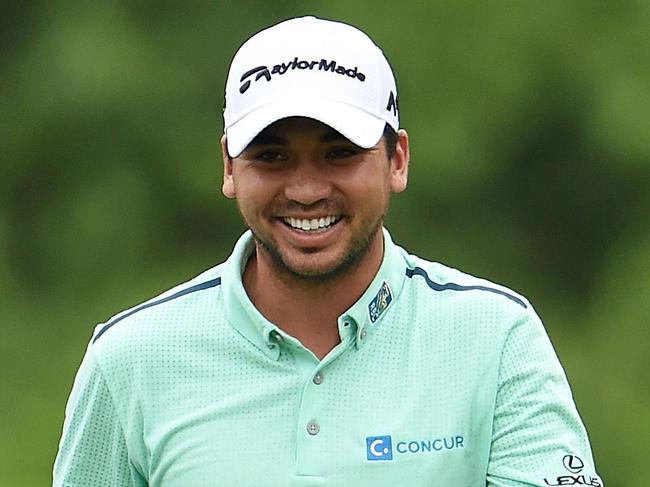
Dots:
(315, 263)
(314, 271)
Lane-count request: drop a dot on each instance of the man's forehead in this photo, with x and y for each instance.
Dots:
(282, 130)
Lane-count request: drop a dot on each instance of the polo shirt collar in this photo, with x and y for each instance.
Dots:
(368, 313)
(358, 323)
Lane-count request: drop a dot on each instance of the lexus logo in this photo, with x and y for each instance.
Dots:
(572, 463)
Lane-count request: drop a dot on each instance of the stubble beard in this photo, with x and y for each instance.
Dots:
(351, 260)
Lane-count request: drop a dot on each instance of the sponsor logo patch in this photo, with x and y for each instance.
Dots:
(384, 448)
(266, 72)
(379, 448)
(380, 302)
(575, 465)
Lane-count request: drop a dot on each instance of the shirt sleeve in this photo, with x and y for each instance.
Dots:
(538, 438)
(93, 450)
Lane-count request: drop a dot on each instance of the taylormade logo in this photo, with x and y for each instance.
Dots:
(282, 68)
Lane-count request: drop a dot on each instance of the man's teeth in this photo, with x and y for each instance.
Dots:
(313, 224)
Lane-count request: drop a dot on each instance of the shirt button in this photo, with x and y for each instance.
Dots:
(363, 334)
(318, 378)
(313, 428)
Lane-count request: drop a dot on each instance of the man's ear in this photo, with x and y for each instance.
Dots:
(228, 186)
(400, 163)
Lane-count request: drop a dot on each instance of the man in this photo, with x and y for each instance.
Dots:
(320, 353)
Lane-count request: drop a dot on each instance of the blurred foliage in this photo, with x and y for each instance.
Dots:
(530, 128)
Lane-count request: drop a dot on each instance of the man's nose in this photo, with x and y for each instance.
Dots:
(308, 183)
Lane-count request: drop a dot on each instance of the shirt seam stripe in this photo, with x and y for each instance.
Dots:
(451, 286)
(198, 287)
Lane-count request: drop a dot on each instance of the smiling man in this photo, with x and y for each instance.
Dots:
(315, 203)
(321, 353)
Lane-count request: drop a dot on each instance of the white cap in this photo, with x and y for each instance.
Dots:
(309, 67)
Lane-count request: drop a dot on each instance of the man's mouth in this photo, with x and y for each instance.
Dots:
(313, 224)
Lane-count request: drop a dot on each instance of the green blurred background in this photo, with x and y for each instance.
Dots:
(530, 128)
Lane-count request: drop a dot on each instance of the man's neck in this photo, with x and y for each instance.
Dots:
(308, 309)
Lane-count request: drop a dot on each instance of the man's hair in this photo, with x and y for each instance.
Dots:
(390, 139)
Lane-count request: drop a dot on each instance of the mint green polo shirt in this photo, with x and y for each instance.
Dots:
(440, 379)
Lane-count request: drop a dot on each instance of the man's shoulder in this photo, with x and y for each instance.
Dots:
(189, 301)
(446, 281)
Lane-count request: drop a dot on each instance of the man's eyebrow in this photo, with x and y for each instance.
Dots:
(267, 139)
(333, 136)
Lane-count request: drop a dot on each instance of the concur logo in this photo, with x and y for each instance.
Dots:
(379, 448)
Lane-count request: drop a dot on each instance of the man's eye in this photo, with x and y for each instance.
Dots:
(343, 152)
(270, 156)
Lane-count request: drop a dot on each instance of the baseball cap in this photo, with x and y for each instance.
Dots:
(309, 67)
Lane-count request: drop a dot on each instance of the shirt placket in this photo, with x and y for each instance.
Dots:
(313, 435)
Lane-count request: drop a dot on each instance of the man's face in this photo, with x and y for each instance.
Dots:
(314, 201)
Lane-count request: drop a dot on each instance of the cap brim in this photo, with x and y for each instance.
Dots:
(359, 126)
